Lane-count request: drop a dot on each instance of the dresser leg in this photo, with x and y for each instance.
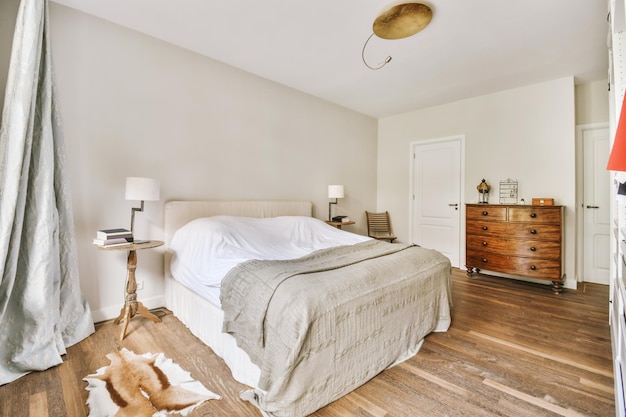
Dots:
(557, 287)
(471, 271)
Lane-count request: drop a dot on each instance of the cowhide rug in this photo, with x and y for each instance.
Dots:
(143, 386)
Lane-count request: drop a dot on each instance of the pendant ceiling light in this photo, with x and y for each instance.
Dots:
(397, 22)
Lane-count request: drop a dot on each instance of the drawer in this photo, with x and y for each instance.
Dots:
(488, 244)
(487, 228)
(534, 231)
(515, 265)
(485, 213)
(495, 245)
(539, 249)
(535, 214)
(484, 260)
(514, 230)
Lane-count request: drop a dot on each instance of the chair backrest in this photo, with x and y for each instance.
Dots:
(378, 225)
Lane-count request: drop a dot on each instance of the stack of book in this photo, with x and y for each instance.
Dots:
(108, 237)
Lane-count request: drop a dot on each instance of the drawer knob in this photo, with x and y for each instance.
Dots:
(533, 231)
(532, 248)
(485, 213)
(485, 228)
(533, 215)
(484, 260)
(484, 243)
(533, 267)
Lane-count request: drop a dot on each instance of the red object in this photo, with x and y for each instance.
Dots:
(617, 159)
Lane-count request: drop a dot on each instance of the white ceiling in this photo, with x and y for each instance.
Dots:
(471, 47)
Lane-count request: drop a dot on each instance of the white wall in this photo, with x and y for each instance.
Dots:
(526, 134)
(135, 106)
(592, 102)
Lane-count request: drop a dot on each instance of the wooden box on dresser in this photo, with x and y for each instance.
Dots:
(519, 240)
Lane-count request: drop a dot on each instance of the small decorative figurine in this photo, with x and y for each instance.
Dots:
(483, 192)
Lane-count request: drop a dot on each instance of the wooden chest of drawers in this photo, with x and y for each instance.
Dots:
(517, 240)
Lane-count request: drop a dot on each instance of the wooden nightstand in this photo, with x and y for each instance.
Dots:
(339, 224)
(131, 305)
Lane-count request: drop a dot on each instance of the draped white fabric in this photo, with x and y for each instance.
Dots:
(42, 310)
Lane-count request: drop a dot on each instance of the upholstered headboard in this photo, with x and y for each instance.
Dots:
(179, 213)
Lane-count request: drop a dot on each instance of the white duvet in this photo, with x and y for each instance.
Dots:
(206, 249)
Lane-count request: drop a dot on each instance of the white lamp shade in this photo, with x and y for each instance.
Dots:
(144, 189)
(335, 191)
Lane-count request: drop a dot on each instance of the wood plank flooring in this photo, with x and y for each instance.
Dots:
(514, 349)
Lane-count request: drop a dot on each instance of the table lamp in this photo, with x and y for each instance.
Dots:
(334, 191)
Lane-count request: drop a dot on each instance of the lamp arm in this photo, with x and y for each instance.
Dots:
(132, 215)
(329, 205)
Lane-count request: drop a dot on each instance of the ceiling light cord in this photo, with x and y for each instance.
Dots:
(382, 64)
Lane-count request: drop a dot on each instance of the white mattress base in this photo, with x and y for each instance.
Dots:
(204, 320)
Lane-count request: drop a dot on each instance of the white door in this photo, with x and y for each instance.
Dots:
(596, 205)
(436, 200)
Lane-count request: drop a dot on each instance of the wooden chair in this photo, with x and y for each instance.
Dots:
(379, 226)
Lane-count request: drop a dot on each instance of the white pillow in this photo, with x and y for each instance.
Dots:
(205, 249)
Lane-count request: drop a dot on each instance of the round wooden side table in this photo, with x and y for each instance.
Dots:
(131, 305)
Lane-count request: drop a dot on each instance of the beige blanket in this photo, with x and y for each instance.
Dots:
(320, 326)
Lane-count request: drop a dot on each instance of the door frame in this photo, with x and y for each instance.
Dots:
(460, 138)
(580, 193)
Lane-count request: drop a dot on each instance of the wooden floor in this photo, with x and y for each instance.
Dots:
(514, 349)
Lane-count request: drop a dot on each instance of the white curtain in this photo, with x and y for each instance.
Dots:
(42, 310)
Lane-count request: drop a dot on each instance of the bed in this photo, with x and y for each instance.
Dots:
(301, 331)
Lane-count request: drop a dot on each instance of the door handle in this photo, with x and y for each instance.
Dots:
(453, 205)
(593, 206)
